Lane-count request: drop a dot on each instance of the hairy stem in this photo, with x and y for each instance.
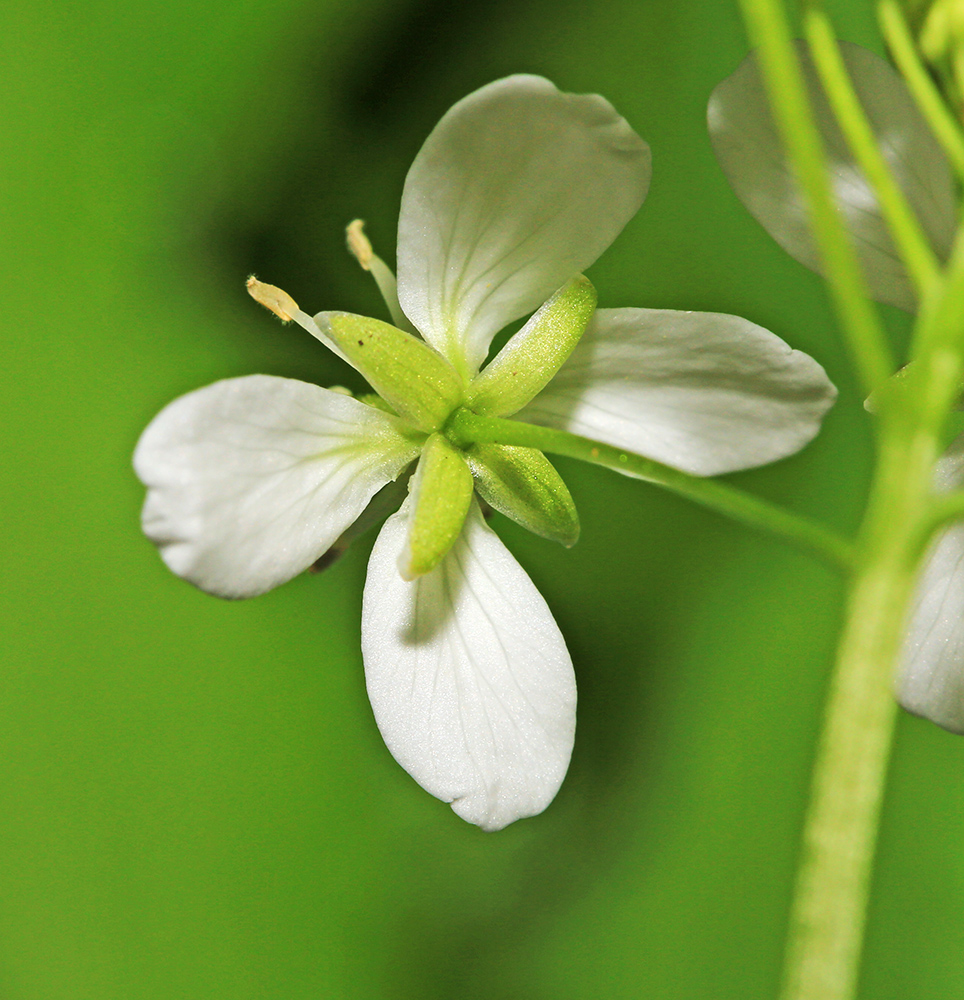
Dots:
(833, 882)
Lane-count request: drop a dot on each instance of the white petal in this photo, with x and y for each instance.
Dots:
(748, 147)
(518, 188)
(251, 479)
(704, 392)
(469, 677)
(930, 681)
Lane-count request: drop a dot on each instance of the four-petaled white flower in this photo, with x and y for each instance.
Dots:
(930, 674)
(517, 190)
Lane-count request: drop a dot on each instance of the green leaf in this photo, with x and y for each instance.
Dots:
(533, 355)
(523, 484)
(415, 380)
(441, 491)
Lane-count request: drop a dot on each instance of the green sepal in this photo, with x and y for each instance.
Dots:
(523, 484)
(441, 491)
(533, 355)
(415, 380)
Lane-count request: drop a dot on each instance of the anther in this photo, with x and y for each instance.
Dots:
(278, 301)
(358, 243)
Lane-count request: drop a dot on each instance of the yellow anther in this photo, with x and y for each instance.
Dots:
(278, 301)
(358, 243)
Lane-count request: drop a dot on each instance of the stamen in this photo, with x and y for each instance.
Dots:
(361, 250)
(278, 301)
(358, 243)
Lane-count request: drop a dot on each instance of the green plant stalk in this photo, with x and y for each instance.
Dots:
(767, 27)
(909, 237)
(465, 428)
(830, 901)
(928, 98)
(938, 336)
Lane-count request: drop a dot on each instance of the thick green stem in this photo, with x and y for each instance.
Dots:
(829, 908)
(465, 428)
(830, 901)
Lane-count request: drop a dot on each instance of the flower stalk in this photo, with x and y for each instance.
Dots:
(466, 428)
(833, 883)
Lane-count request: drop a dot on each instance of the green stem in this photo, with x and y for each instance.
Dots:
(829, 908)
(928, 97)
(769, 31)
(830, 902)
(465, 428)
(906, 230)
(940, 326)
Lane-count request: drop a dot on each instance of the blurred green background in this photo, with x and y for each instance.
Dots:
(195, 800)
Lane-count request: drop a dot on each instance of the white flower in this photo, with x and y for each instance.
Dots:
(930, 674)
(251, 480)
